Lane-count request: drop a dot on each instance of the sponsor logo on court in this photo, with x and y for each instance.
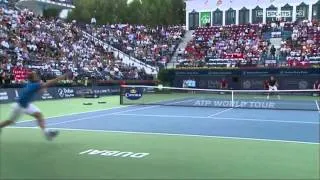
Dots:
(133, 94)
(243, 104)
(112, 153)
(65, 92)
(4, 96)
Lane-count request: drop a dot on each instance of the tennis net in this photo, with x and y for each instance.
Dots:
(256, 99)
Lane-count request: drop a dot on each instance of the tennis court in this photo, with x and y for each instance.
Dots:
(163, 142)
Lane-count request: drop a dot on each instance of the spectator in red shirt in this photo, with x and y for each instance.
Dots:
(223, 84)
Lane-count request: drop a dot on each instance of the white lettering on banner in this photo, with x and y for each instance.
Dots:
(107, 153)
(248, 104)
(274, 13)
(259, 13)
(106, 91)
(300, 13)
(46, 95)
(271, 61)
(66, 92)
(4, 96)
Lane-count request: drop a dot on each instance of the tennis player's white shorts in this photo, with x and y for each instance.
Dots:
(273, 88)
(17, 111)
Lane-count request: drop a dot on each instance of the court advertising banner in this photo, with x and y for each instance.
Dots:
(250, 72)
(12, 94)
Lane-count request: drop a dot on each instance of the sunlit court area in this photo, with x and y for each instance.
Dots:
(159, 89)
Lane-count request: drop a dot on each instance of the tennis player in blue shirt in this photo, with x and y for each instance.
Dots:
(24, 105)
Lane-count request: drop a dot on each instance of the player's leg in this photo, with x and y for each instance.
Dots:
(275, 88)
(270, 89)
(15, 114)
(35, 112)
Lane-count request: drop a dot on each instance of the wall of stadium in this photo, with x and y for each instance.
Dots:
(201, 13)
(249, 79)
(12, 94)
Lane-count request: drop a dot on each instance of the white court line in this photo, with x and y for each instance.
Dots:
(71, 114)
(109, 114)
(221, 118)
(149, 107)
(220, 112)
(179, 135)
(101, 115)
(317, 105)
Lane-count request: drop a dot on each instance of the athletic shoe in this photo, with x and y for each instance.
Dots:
(51, 134)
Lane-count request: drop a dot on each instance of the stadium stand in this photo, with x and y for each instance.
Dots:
(154, 46)
(52, 46)
(250, 46)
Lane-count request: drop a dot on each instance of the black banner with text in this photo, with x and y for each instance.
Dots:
(12, 94)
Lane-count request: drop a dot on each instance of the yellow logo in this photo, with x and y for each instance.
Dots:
(133, 91)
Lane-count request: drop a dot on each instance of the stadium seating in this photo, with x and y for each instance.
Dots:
(51, 47)
(249, 45)
(154, 46)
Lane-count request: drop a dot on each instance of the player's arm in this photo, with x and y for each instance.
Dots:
(53, 81)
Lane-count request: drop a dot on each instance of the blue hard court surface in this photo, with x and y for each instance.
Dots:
(284, 125)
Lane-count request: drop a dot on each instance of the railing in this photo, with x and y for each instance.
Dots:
(125, 57)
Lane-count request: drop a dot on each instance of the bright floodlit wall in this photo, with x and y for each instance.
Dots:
(202, 13)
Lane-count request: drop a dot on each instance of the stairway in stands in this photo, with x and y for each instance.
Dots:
(187, 38)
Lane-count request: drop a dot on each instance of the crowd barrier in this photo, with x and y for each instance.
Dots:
(249, 79)
(12, 94)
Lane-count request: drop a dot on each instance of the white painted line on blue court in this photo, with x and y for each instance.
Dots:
(317, 105)
(219, 118)
(181, 135)
(71, 114)
(220, 112)
(149, 107)
(176, 116)
(101, 115)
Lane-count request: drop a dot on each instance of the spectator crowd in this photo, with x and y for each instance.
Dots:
(53, 46)
(152, 45)
(248, 45)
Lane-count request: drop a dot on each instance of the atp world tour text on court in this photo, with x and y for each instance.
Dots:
(250, 104)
